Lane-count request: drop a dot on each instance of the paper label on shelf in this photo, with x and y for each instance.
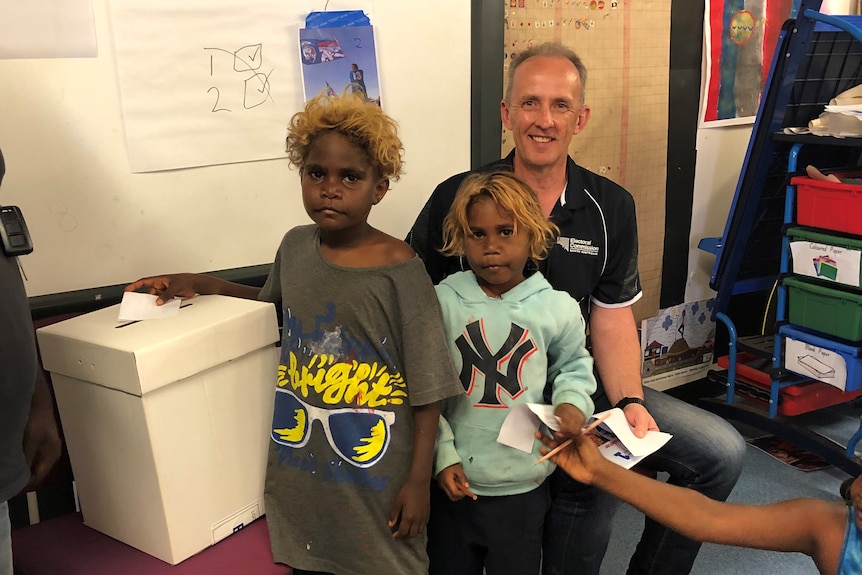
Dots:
(815, 362)
(826, 262)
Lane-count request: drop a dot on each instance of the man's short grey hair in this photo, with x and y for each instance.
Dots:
(554, 49)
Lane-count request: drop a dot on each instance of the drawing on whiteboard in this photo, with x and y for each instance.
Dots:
(248, 62)
(66, 221)
(818, 368)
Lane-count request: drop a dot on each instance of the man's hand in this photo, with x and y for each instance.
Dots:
(639, 419)
(454, 482)
(410, 511)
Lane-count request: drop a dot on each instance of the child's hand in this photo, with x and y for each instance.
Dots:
(571, 421)
(168, 287)
(411, 509)
(454, 482)
(580, 460)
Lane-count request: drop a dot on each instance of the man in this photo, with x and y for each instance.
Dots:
(26, 411)
(595, 260)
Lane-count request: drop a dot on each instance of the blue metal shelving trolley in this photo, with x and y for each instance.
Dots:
(817, 57)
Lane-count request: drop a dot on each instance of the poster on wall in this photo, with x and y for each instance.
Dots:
(678, 344)
(339, 61)
(740, 37)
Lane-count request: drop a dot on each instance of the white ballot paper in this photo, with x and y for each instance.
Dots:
(616, 440)
(137, 306)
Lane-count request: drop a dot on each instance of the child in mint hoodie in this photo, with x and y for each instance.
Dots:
(508, 334)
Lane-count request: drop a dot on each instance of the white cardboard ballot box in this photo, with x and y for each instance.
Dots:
(167, 420)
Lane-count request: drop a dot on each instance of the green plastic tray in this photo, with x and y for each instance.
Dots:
(832, 311)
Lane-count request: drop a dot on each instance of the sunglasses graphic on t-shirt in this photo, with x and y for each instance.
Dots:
(359, 436)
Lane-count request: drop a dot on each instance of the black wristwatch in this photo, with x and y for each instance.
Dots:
(627, 400)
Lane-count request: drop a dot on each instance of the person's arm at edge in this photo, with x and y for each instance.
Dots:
(425, 421)
(617, 353)
(782, 526)
(811, 526)
(42, 444)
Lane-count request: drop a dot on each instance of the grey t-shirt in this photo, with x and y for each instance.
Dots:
(360, 347)
(18, 365)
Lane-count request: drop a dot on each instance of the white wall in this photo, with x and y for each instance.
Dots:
(94, 223)
(720, 153)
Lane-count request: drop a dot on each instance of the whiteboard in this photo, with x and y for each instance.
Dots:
(95, 223)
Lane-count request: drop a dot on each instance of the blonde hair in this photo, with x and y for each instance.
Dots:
(509, 193)
(366, 125)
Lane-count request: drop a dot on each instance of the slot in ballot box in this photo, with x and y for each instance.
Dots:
(167, 420)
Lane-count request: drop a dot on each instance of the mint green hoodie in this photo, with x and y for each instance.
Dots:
(506, 349)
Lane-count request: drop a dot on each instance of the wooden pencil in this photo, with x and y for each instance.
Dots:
(568, 442)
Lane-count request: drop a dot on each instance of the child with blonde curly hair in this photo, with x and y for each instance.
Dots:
(509, 333)
(364, 362)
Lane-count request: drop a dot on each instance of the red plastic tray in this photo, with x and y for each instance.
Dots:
(829, 205)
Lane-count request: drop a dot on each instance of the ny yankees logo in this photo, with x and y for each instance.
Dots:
(478, 358)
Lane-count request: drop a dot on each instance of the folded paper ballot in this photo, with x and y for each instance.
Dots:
(139, 306)
(615, 438)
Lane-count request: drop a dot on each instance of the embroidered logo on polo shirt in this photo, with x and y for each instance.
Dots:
(576, 246)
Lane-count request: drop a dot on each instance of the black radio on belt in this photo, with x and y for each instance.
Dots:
(13, 232)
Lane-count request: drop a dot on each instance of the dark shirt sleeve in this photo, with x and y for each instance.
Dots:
(621, 282)
(426, 235)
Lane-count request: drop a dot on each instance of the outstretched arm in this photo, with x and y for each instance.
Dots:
(188, 285)
(809, 526)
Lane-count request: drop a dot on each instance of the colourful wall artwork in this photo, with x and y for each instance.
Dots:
(740, 38)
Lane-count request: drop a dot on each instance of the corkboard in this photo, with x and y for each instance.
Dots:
(625, 46)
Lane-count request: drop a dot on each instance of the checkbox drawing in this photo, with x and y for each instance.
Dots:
(247, 58)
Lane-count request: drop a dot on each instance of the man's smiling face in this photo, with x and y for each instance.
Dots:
(544, 110)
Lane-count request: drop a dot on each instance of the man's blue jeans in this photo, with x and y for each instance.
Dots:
(706, 454)
(5, 540)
